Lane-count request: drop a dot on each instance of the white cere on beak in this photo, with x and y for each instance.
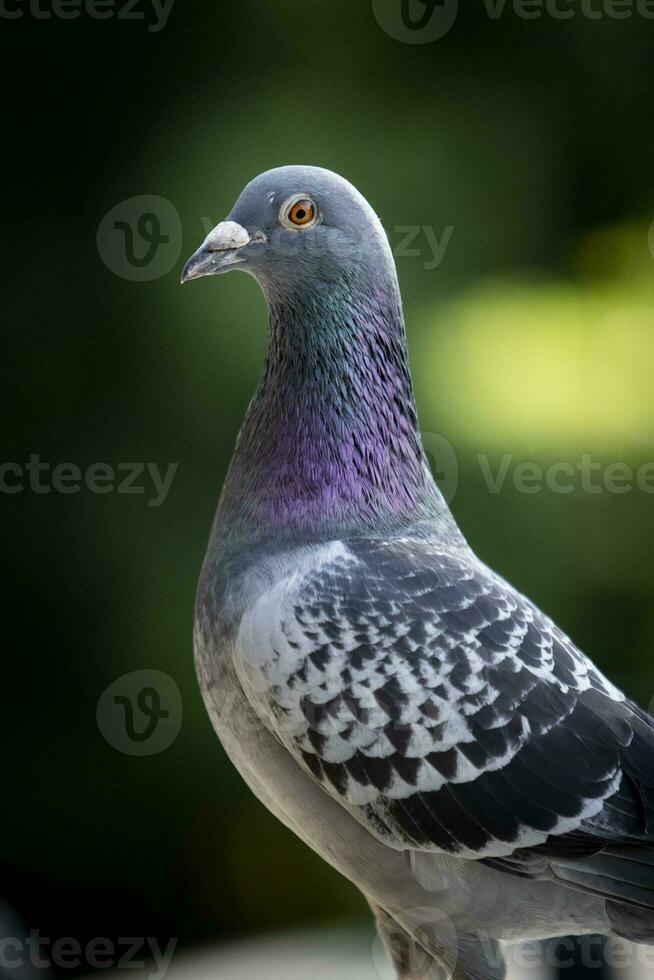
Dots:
(226, 235)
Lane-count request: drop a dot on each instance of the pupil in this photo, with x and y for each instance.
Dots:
(301, 214)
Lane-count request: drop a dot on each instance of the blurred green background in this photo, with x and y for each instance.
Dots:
(533, 141)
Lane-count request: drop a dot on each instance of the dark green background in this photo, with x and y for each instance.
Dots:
(534, 140)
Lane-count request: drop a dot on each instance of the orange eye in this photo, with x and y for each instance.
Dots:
(302, 212)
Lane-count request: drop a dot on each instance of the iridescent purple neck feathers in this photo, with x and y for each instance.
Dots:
(330, 441)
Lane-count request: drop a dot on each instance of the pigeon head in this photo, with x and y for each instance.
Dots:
(294, 228)
(331, 439)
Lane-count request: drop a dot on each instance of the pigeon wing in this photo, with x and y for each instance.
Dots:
(437, 704)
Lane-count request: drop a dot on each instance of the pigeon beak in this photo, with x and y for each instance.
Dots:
(219, 252)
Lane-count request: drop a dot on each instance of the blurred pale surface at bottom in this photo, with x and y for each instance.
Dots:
(349, 955)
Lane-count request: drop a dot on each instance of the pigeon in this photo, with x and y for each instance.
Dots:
(403, 709)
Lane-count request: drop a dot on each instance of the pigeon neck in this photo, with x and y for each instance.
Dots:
(330, 441)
